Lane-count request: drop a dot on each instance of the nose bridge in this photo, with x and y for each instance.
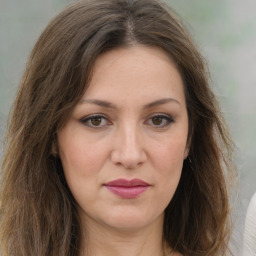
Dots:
(130, 136)
(129, 149)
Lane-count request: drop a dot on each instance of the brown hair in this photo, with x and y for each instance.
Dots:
(38, 215)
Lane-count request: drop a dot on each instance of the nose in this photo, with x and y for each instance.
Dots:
(128, 148)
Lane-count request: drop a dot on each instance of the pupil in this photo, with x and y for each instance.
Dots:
(96, 121)
(157, 120)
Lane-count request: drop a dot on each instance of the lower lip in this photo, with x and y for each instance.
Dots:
(127, 192)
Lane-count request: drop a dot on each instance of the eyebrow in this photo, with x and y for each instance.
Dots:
(107, 104)
(161, 102)
(101, 103)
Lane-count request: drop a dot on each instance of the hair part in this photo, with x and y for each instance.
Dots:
(38, 214)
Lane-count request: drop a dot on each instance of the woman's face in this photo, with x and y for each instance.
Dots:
(123, 148)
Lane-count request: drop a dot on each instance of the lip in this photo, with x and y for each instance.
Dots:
(127, 189)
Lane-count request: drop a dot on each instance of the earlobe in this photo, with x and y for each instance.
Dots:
(54, 149)
(188, 146)
(186, 153)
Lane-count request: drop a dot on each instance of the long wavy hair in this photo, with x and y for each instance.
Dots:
(38, 214)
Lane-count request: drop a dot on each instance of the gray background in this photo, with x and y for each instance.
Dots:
(224, 30)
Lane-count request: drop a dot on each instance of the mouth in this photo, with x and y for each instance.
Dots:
(127, 189)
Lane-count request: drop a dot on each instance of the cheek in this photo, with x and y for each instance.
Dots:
(80, 156)
(170, 156)
(81, 165)
(168, 163)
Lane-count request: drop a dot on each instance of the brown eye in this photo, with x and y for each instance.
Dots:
(157, 120)
(95, 121)
(160, 121)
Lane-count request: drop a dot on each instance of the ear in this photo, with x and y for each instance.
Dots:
(54, 149)
(187, 149)
(189, 142)
(186, 152)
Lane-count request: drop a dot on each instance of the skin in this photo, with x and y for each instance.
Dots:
(140, 131)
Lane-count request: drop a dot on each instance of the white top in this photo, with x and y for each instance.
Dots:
(250, 229)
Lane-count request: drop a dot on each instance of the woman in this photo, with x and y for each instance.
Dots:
(116, 145)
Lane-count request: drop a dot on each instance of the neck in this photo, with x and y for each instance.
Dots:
(103, 240)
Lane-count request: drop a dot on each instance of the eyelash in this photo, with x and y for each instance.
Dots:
(88, 121)
(168, 120)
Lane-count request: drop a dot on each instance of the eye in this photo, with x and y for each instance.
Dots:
(160, 121)
(95, 121)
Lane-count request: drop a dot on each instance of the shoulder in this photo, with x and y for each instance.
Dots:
(251, 212)
(250, 228)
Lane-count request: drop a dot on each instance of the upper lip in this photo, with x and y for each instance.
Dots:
(127, 183)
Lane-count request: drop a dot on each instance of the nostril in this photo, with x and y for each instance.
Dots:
(129, 160)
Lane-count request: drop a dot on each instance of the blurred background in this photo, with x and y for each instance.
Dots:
(225, 32)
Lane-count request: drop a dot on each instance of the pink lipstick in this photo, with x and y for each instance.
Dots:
(127, 189)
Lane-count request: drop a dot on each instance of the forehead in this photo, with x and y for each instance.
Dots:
(140, 72)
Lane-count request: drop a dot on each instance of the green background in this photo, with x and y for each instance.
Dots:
(224, 30)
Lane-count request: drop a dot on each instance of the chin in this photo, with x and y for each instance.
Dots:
(129, 220)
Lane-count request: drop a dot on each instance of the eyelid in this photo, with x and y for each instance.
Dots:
(85, 120)
(93, 116)
(169, 119)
